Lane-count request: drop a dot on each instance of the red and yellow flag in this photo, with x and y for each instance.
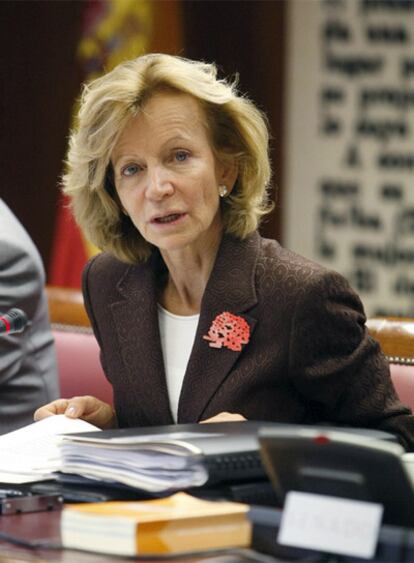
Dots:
(113, 31)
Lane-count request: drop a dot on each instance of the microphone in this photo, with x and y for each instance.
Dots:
(13, 321)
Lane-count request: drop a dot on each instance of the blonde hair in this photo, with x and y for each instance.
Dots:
(237, 128)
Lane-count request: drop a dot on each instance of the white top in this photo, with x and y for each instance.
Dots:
(177, 338)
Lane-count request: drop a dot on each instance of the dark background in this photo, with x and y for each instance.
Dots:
(40, 79)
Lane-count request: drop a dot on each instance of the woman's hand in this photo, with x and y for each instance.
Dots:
(224, 417)
(88, 408)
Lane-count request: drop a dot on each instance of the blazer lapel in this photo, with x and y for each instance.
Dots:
(231, 288)
(136, 319)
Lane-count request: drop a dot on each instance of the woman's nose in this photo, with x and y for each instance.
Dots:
(159, 184)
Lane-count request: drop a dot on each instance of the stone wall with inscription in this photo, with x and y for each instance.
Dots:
(349, 190)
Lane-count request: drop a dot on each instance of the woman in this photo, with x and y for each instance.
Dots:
(199, 318)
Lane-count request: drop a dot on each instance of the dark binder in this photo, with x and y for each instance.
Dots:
(229, 451)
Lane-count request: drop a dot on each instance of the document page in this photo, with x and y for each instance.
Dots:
(157, 459)
(31, 453)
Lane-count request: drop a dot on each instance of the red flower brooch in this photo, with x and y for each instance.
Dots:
(228, 330)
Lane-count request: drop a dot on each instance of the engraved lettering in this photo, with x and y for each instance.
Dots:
(382, 130)
(407, 67)
(393, 97)
(404, 286)
(386, 34)
(402, 161)
(352, 157)
(337, 31)
(332, 95)
(354, 65)
(387, 5)
(389, 254)
(363, 279)
(392, 192)
(405, 222)
(339, 188)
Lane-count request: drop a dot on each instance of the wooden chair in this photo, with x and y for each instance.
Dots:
(80, 370)
(66, 306)
(396, 337)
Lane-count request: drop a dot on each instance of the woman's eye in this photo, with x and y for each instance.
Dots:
(181, 156)
(130, 170)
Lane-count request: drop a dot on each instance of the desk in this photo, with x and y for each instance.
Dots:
(395, 544)
(45, 527)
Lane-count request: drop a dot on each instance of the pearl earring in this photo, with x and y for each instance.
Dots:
(223, 191)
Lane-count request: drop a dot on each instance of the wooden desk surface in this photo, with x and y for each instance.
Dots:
(44, 527)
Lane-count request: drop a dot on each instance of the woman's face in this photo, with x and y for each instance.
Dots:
(166, 175)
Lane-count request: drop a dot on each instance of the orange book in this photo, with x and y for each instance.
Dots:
(176, 524)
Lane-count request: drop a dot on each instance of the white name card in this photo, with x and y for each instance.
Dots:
(332, 524)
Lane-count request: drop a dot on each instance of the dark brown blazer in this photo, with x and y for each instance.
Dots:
(309, 357)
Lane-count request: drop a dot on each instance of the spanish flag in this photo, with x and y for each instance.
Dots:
(112, 31)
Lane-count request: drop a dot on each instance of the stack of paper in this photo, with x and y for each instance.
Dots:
(156, 459)
(151, 463)
(31, 453)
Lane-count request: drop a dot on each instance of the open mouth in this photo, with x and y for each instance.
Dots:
(169, 218)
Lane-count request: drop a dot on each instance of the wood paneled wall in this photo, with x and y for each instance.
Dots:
(38, 83)
(246, 37)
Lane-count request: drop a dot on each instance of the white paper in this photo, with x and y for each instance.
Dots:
(154, 463)
(150, 466)
(31, 453)
(330, 524)
(143, 438)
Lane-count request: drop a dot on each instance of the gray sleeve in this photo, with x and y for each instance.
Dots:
(20, 286)
(28, 368)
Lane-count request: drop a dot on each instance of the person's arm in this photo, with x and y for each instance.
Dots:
(338, 367)
(20, 286)
(28, 370)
